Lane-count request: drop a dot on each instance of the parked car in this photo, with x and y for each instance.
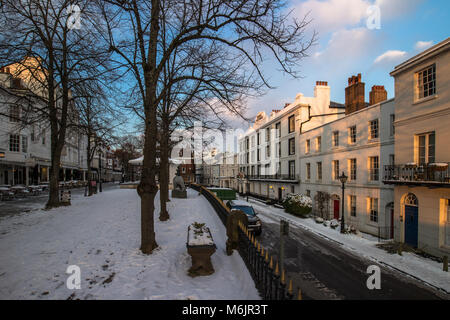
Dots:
(254, 223)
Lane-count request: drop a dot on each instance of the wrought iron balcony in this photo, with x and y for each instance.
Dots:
(274, 177)
(431, 174)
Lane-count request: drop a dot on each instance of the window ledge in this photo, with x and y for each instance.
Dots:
(419, 101)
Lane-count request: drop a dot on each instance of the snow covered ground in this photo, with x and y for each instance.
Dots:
(101, 235)
(411, 264)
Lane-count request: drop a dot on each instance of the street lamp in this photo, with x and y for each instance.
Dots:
(100, 172)
(343, 179)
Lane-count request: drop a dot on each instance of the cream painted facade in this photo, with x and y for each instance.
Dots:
(372, 201)
(269, 150)
(422, 154)
(221, 170)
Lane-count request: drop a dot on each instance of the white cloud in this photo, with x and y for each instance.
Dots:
(391, 9)
(422, 45)
(390, 56)
(347, 45)
(333, 14)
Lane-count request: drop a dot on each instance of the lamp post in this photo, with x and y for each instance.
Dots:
(100, 172)
(343, 179)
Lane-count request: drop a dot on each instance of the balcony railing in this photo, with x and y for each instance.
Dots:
(431, 173)
(288, 177)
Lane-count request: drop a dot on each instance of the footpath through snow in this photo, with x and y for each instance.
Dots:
(423, 269)
(101, 235)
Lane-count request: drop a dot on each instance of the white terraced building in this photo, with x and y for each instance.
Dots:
(317, 145)
(268, 151)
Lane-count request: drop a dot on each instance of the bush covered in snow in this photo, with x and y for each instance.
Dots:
(319, 220)
(334, 223)
(297, 204)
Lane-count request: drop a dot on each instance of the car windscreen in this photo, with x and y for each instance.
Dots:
(247, 210)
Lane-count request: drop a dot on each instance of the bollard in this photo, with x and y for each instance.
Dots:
(445, 260)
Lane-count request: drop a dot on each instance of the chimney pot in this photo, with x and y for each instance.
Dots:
(354, 94)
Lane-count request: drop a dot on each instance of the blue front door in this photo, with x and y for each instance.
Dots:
(411, 225)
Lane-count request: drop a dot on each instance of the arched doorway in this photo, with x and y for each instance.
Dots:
(411, 205)
(335, 201)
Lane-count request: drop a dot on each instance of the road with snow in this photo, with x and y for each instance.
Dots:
(326, 270)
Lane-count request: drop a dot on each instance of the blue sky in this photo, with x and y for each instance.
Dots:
(347, 47)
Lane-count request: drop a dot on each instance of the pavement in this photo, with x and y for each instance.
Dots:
(323, 269)
(31, 203)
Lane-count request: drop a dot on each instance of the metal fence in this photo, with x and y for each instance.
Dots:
(270, 282)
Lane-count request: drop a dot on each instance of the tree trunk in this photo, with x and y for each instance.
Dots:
(163, 176)
(147, 190)
(53, 199)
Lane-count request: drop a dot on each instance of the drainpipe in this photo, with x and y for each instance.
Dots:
(317, 115)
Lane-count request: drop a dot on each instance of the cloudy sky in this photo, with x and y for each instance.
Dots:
(346, 46)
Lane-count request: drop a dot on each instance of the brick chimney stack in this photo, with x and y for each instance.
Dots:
(377, 95)
(354, 94)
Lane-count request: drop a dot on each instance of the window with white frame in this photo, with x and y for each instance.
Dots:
(292, 169)
(373, 129)
(308, 193)
(352, 167)
(43, 136)
(392, 127)
(291, 146)
(373, 209)
(291, 123)
(308, 146)
(319, 170)
(14, 142)
(374, 167)
(268, 151)
(335, 169)
(318, 144)
(426, 82)
(267, 134)
(352, 205)
(278, 129)
(425, 148)
(335, 138)
(24, 144)
(14, 113)
(352, 135)
(308, 171)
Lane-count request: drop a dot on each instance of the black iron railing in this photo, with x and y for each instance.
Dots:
(289, 177)
(412, 173)
(270, 282)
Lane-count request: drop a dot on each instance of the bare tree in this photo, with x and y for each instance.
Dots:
(42, 46)
(248, 31)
